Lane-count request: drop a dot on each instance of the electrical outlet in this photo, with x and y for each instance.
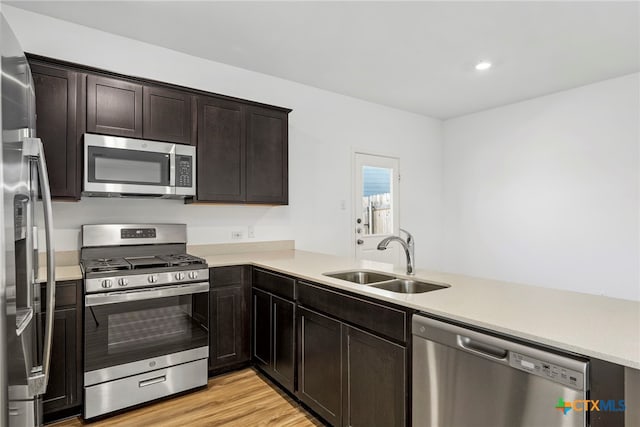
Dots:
(251, 233)
(237, 235)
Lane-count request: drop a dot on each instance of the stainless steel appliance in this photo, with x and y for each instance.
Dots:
(120, 167)
(146, 315)
(24, 360)
(465, 378)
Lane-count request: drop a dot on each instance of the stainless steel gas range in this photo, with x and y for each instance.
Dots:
(146, 327)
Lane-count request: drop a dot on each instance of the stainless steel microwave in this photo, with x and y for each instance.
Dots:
(127, 167)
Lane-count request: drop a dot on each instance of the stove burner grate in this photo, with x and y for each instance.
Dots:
(105, 264)
(101, 265)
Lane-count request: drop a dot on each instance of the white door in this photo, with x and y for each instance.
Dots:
(376, 180)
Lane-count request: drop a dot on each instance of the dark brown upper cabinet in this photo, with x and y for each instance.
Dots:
(221, 151)
(242, 153)
(56, 91)
(114, 107)
(267, 155)
(242, 146)
(168, 115)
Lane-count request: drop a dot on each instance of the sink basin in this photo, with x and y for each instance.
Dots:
(407, 286)
(360, 277)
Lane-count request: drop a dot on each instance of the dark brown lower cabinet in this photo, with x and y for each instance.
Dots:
(284, 352)
(320, 364)
(376, 381)
(229, 333)
(64, 389)
(273, 326)
(350, 377)
(262, 329)
(229, 338)
(61, 390)
(353, 358)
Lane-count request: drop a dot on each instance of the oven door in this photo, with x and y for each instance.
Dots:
(135, 331)
(116, 165)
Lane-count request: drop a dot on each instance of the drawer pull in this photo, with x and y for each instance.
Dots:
(152, 381)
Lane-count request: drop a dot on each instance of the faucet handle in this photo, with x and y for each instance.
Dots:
(409, 236)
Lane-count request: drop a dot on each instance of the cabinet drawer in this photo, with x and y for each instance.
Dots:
(232, 275)
(384, 320)
(282, 286)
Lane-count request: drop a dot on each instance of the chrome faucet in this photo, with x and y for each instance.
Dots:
(407, 245)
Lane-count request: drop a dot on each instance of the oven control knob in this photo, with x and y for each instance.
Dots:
(193, 275)
(153, 278)
(123, 282)
(179, 276)
(107, 283)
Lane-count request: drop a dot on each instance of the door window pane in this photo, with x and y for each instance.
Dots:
(377, 210)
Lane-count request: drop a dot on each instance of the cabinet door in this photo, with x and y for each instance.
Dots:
(221, 151)
(283, 341)
(228, 340)
(267, 156)
(56, 104)
(61, 390)
(167, 115)
(320, 364)
(261, 322)
(375, 381)
(114, 107)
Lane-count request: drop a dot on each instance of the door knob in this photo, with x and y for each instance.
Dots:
(359, 220)
(359, 241)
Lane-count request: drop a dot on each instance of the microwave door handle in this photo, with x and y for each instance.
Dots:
(33, 148)
(172, 169)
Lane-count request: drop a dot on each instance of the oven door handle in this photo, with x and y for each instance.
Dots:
(145, 294)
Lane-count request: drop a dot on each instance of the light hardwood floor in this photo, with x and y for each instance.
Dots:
(242, 398)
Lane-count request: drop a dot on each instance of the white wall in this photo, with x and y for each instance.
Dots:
(323, 128)
(546, 191)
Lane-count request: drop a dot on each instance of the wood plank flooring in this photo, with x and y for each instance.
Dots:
(242, 398)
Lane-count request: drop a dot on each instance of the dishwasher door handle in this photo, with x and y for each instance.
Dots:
(482, 348)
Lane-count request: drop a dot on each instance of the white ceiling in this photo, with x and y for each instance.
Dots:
(415, 56)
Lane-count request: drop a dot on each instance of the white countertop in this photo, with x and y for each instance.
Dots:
(63, 273)
(591, 325)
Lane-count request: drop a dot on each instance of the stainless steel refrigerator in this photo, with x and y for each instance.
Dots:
(25, 328)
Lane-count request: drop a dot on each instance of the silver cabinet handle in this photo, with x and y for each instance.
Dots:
(32, 147)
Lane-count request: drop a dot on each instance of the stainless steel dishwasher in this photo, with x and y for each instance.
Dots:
(463, 378)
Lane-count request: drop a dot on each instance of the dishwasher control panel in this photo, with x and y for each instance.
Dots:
(545, 369)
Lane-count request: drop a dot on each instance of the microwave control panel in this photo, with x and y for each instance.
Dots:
(184, 171)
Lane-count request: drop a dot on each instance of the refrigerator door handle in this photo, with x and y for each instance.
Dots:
(39, 377)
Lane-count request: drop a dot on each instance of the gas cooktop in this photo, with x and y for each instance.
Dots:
(106, 265)
(124, 256)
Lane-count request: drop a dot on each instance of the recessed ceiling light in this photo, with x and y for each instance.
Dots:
(483, 65)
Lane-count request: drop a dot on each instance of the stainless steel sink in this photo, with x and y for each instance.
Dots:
(407, 286)
(361, 277)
